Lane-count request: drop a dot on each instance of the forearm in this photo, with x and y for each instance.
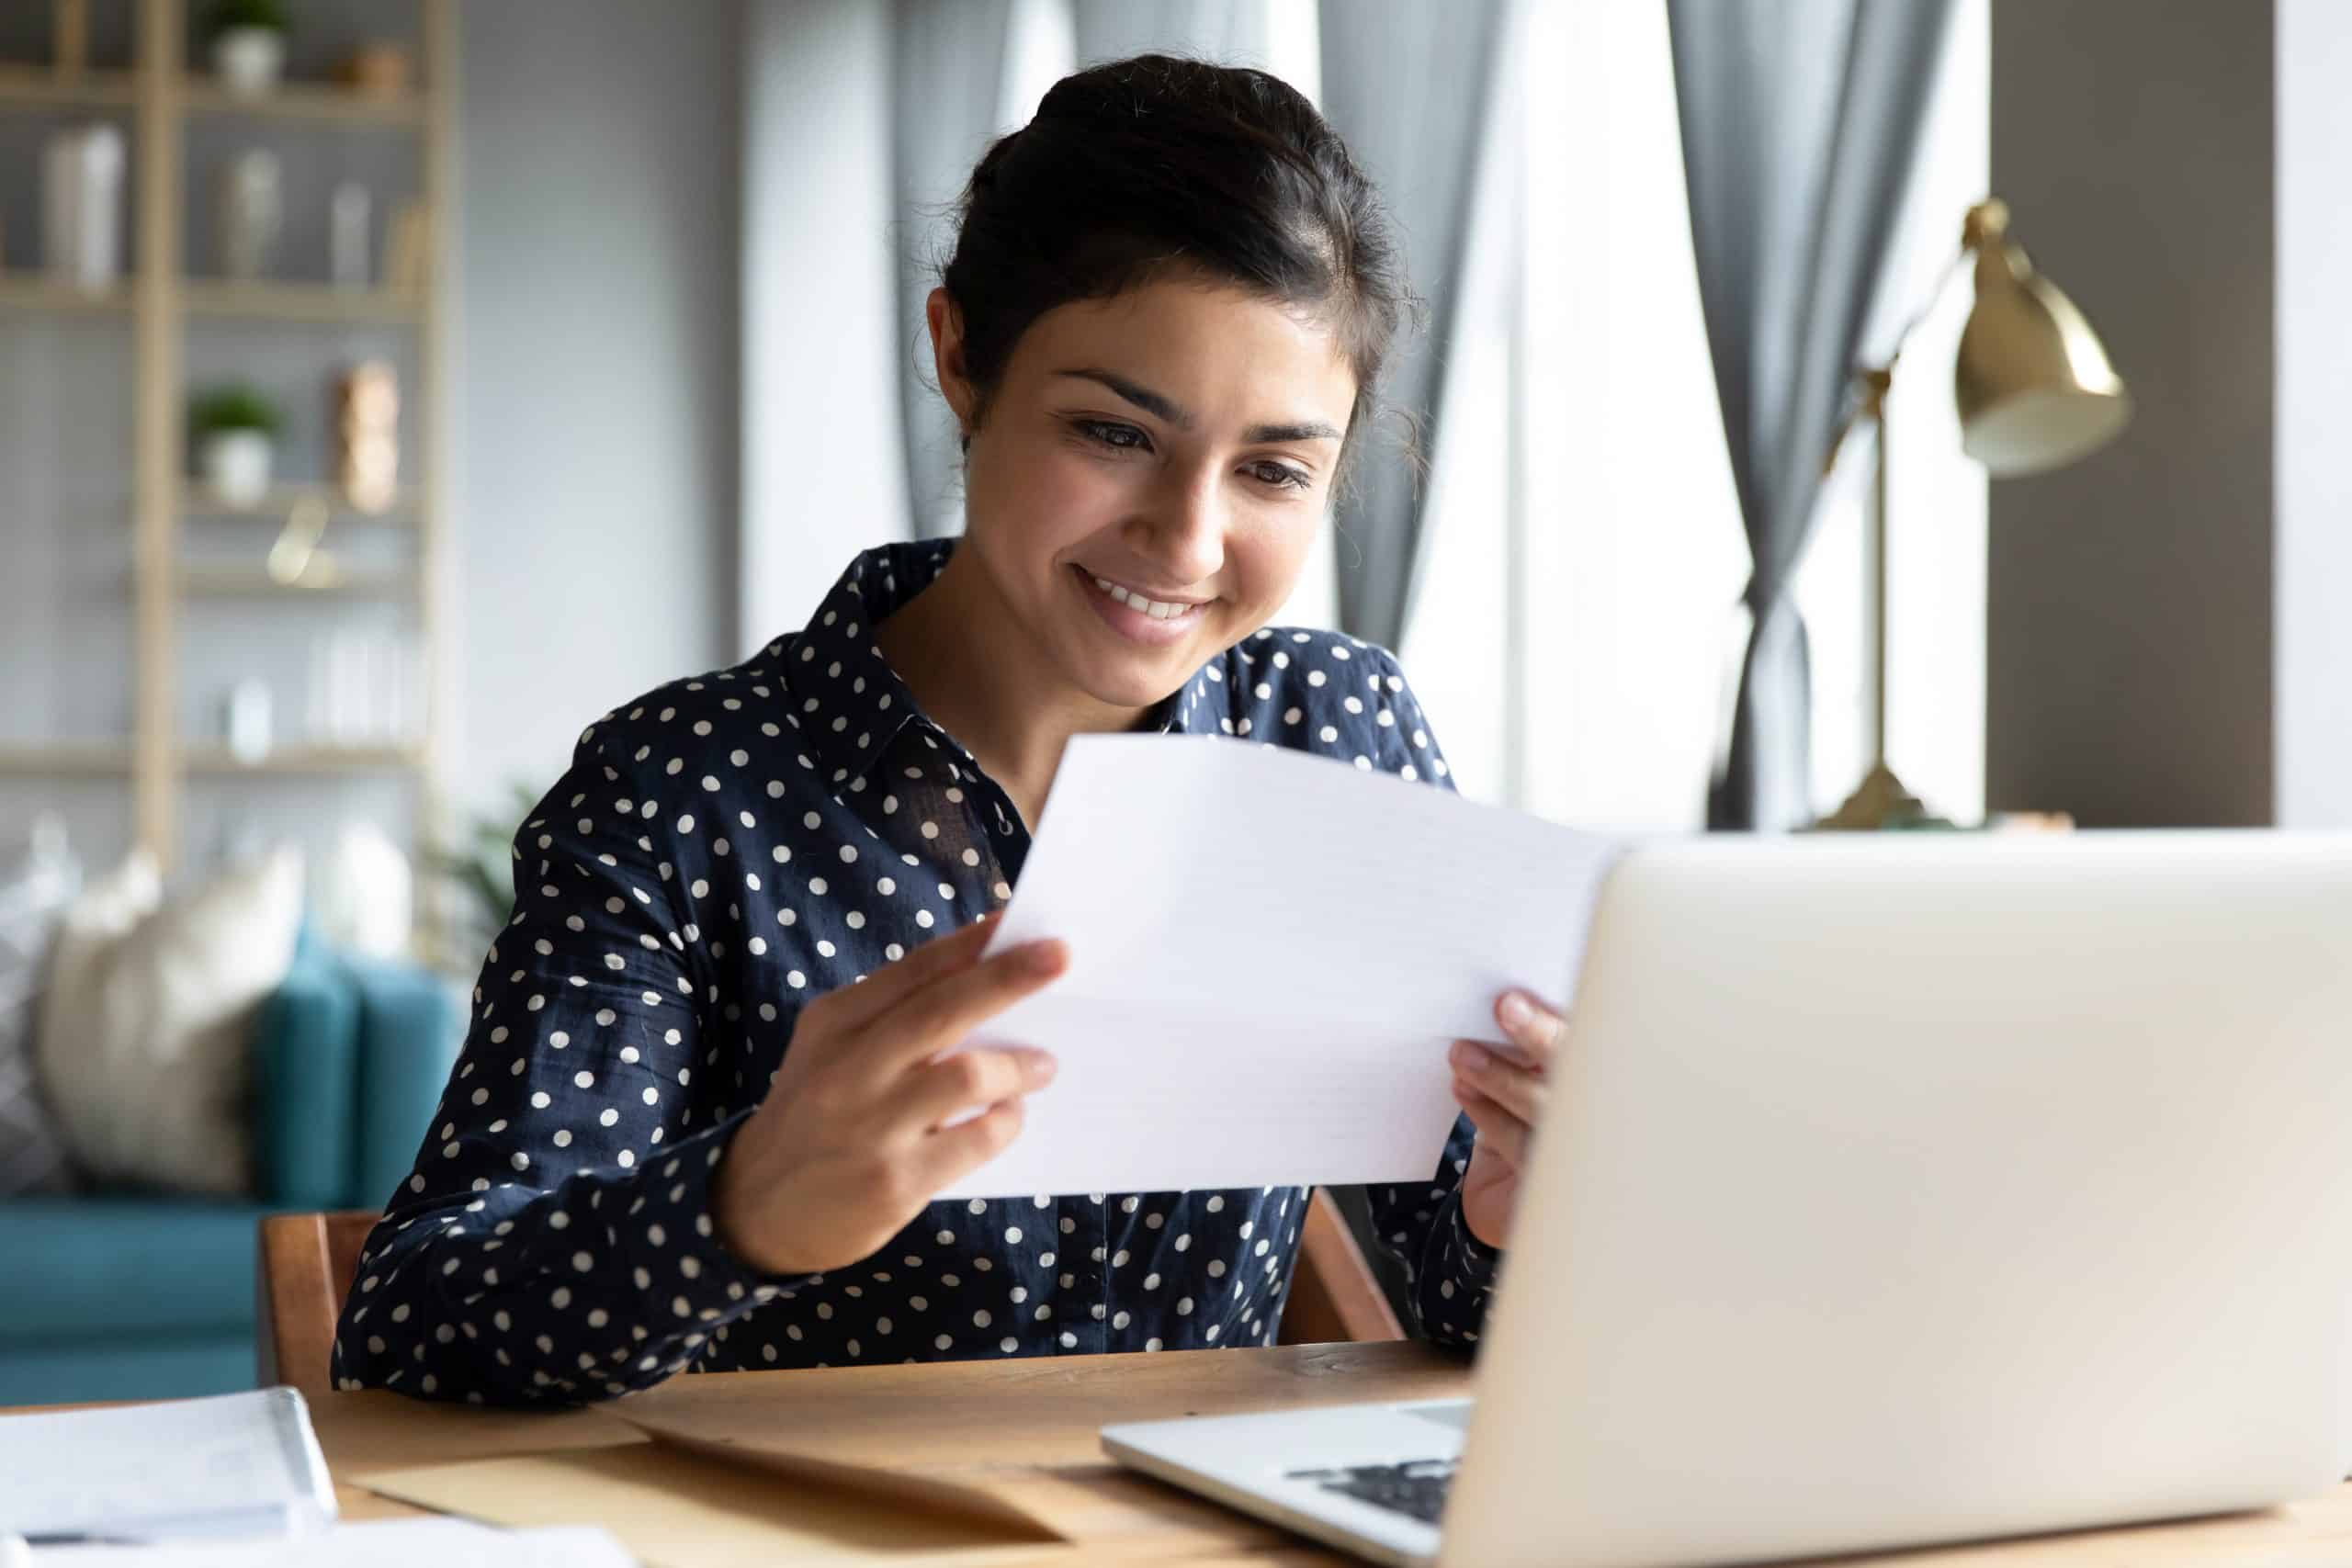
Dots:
(610, 1280)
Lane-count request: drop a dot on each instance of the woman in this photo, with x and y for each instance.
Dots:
(698, 1120)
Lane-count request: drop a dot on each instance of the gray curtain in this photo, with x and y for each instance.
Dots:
(1800, 120)
(1408, 84)
(1232, 32)
(949, 64)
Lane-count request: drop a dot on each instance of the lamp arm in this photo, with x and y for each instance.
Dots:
(1866, 407)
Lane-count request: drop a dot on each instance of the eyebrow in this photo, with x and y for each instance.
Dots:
(1160, 406)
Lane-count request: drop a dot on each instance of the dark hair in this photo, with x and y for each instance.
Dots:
(1135, 167)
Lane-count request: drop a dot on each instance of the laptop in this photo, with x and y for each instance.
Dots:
(1892, 1191)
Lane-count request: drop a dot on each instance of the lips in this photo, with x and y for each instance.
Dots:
(1134, 599)
(1139, 617)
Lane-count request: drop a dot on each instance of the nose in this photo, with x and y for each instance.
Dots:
(1181, 529)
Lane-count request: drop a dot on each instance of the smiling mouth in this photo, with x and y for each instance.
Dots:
(1157, 609)
(1139, 617)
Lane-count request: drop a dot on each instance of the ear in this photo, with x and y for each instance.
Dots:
(946, 323)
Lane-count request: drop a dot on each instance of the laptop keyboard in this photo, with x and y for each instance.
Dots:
(1415, 1488)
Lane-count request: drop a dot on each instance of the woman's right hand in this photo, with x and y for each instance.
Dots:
(849, 1146)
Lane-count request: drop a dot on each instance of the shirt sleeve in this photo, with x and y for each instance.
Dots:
(555, 1242)
(1449, 1273)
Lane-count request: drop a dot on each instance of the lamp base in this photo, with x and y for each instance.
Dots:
(1879, 801)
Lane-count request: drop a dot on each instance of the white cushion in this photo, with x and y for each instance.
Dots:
(145, 1030)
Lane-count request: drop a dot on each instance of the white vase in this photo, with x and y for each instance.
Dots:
(236, 465)
(247, 214)
(81, 205)
(249, 59)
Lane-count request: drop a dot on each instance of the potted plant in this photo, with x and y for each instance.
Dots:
(248, 43)
(234, 428)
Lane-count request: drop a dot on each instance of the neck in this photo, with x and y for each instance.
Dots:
(976, 672)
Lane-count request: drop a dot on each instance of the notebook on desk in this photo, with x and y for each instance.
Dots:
(236, 1464)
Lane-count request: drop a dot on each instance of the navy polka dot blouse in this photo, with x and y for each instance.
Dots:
(721, 851)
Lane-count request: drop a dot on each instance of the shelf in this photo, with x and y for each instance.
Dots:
(64, 759)
(306, 100)
(296, 302)
(33, 87)
(70, 758)
(198, 502)
(306, 759)
(32, 291)
(252, 582)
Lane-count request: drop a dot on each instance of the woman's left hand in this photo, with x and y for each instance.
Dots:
(1502, 1090)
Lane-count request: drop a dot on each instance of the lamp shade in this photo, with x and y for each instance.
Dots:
(2031, 381)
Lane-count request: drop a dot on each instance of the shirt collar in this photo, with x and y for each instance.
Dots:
(852, 705)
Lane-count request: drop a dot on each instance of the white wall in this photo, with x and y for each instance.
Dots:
(2312, 566)
(596, 406)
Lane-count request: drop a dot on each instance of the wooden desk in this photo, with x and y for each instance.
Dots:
(1034, 1422)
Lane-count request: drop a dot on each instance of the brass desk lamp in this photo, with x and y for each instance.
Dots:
(2035, 391)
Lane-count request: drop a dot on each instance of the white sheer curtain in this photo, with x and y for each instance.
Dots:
(1585, 536)
(1569, 637)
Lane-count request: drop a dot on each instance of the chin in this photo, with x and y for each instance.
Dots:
(1136, 687)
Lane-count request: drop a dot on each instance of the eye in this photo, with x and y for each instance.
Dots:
(1282, 476)
(1124, 437)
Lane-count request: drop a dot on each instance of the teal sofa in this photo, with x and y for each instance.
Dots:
(142, 1296)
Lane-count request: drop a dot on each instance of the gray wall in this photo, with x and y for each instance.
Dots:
(595, 407)
(2130, 597)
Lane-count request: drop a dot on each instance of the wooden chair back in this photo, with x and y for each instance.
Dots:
(305, 1265)
(308, 1262)
(1333, 1295)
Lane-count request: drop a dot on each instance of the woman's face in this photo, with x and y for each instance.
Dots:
(1175, 443)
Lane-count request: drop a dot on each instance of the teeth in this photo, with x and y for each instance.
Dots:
(1157, 609)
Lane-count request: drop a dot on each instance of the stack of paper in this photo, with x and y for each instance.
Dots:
(240, 1464)
(392, 1543)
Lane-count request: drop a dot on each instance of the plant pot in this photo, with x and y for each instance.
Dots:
(236, 465)
(249, 59)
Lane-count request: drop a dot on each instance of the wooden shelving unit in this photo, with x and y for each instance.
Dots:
(253, 583)
(40, 294)
(298, 302)
(306, 759)
(104, 759)
(283, 498)
(64, 759)
(161, 96)
(39, 88)
(300, 101)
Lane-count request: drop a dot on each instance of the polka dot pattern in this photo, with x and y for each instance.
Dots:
(720, 851)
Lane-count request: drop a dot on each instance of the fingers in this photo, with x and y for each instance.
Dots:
(948, 1156)
(853, 1007)
(1518, 1090)
(972, 1078)
(1530, 1025)
(1498, 1128)
(941, 1013)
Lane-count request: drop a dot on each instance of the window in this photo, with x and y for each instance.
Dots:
(1576, 628)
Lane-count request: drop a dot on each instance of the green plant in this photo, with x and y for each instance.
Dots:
(232, 408)
(479, 872)
(226, 15)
